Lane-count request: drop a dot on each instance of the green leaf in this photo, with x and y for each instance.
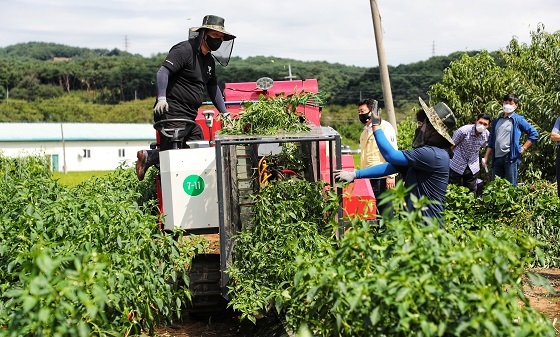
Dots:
(401, 294)
(178, 303)
(29, 303)
(491, 327)
(45, 263)
(83, 329)
(478, 274)
(44, 314)
(374, 316)
(498, 275)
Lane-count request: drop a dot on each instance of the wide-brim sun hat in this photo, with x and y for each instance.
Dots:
(441, 117)
(215, 23)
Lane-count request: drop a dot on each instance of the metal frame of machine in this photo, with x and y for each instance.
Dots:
(320, 168)
(186, 173)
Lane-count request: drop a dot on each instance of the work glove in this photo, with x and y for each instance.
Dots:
(375, 115)
(161, 106)
(226, 116)
(484, 164)
(344, 176)
(227, 122)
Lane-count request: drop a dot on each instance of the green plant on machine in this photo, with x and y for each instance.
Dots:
(292, 218)
(87, 260)
(291, 157)
(273, 115)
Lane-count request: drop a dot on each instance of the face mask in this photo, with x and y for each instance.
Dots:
(480, 128)
(213, 42)
(508, 108)
(418, 138)
(364, 118)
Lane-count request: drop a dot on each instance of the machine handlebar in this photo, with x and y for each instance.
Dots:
(174, 133)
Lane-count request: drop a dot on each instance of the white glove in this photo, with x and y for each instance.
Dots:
(227, 122)
(161, 106)
(483, 160)
(376, 116)
(344, 176)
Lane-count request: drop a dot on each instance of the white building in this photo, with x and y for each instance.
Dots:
(77, 146)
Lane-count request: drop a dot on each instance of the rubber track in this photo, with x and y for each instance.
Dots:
(205, 285)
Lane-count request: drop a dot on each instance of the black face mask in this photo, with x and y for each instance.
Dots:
(418, 137)
(213, 42)
(430, 137)
(364, 118)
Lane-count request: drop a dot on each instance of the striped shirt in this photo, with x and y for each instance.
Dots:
(467, 148)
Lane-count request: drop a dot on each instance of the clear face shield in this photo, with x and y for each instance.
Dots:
(222, 54)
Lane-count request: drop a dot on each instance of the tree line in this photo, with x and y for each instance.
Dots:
(38, 71)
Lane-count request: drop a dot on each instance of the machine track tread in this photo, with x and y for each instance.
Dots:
(204, 278)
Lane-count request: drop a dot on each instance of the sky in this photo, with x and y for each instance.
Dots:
(336, 31)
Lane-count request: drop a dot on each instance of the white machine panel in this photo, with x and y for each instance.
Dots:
(189, 188)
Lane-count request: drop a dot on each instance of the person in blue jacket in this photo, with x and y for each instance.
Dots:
(425, 168)
(504, 142)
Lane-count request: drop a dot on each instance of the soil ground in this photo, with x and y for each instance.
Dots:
(228, 326)
(543, 301)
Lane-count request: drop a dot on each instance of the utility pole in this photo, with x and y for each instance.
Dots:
(126, 43)
(383, 70)
(290, 77)
(63, 149)
(433, 48)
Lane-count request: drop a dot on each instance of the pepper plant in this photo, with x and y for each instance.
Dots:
(273, 115)
(408, 276)
(291, 218)
(87, 260)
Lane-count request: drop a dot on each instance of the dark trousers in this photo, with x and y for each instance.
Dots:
(504, 167)
(467, 179)
(379, 186)
(558, 169)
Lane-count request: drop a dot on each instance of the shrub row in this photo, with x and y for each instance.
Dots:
(86, 260)
(401, 276)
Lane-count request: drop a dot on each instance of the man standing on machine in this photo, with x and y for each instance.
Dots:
(187, 69)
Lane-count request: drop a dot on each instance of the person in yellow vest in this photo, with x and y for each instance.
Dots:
(370, 154)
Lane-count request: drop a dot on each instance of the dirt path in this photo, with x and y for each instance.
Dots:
(225, 327)
(544, 302)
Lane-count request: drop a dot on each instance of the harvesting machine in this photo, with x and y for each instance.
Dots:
(206, 189)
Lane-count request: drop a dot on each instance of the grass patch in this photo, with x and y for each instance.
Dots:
(74, 178)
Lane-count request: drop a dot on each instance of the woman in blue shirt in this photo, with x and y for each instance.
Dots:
(425, 168)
